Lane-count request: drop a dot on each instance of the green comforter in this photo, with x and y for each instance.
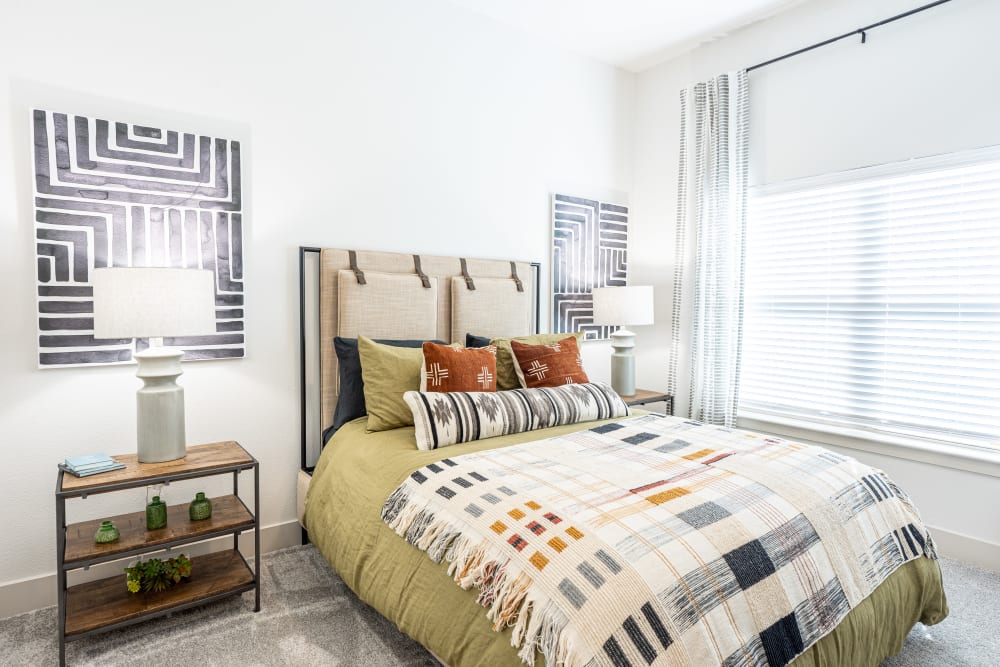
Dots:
(358, 470)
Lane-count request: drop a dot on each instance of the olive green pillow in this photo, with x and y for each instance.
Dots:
(387, 372)
(506, 374)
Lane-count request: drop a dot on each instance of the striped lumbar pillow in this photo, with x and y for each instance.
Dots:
(447, 418)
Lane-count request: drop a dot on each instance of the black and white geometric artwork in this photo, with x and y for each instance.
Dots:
(114, 194)
(589, 245)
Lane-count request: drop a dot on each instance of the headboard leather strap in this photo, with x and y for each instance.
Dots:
(513, 275)
(465, 274)
(358, 273)
(420, 272)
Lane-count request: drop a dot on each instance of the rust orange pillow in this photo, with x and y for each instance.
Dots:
(448, 368)
(550, 365)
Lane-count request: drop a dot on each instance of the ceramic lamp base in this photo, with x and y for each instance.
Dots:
(623, 362)
(160, 405)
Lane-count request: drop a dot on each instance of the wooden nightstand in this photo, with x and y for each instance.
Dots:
(644, 396)
(105, 604)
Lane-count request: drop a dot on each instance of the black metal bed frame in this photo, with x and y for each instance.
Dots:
(303, 435)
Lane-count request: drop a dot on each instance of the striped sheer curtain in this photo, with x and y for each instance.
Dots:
(711, 225)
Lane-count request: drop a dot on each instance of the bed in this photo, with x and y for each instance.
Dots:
(357, 472)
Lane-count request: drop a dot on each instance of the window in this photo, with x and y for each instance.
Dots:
(873, 300)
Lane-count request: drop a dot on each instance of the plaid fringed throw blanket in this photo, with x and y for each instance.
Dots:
(661, 541)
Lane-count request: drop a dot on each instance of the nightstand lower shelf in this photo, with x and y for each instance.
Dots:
(106, 603)
(229, 514)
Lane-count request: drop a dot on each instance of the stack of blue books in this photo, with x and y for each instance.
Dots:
(90, 464)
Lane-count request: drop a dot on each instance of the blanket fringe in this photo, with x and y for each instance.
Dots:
(505, 591)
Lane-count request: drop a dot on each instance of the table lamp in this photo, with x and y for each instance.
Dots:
(153, 303)
(625, 306)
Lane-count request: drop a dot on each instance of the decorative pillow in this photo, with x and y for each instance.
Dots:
(549, 365)
(447, 419)
(351, 401)
(472, 340)
(506, 374)
(448, 368)
(388, 372)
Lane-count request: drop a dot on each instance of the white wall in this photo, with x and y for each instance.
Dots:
(921, 86)
(373, 124)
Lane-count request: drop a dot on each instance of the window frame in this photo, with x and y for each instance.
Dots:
(979, 457)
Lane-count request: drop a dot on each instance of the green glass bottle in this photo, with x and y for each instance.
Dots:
(156, 514)
(107, 533)
(200, 508)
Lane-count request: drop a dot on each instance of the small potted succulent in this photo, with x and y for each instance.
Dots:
(155, 575)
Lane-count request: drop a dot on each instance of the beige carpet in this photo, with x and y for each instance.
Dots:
(309, 617)
(970, 636)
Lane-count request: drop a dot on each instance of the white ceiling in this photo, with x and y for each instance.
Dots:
(631, 34)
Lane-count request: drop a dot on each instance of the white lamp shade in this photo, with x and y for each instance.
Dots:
(627, 306)
(153, 302)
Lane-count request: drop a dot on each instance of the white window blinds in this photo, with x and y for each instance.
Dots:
(873, 299)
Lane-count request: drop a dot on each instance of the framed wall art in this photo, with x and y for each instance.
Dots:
(589, 249)
(117, 194)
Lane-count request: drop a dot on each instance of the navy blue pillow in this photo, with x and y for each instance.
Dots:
(351, 403)
(476, 341)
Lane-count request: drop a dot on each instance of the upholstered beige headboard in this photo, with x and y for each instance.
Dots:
(395, 295)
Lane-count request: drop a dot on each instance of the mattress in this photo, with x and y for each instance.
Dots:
(359, 470)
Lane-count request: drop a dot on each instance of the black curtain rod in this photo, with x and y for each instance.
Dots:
(860, 31)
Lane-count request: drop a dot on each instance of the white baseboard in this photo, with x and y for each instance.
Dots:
(17, 597)
(967, 549)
